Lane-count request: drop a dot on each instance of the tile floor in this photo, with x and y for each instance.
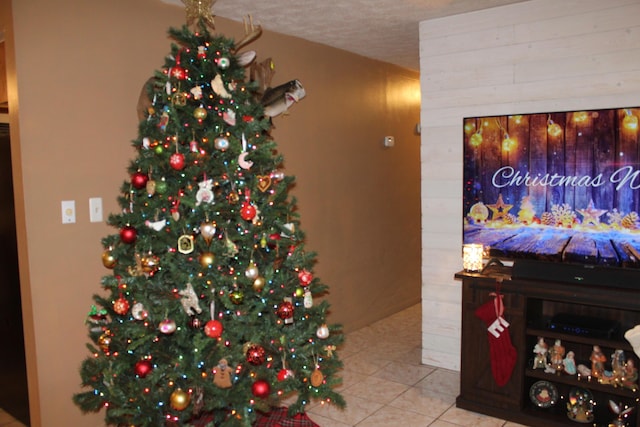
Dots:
(384, 383)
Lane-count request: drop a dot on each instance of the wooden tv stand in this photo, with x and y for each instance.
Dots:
(530, 306)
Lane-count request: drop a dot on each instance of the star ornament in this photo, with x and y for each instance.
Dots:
(591, 215)
(199, 10)
(499, 209)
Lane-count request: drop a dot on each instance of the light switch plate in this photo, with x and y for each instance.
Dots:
(68, 211)
(95, 209)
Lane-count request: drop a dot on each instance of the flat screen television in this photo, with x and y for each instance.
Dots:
(557, 187)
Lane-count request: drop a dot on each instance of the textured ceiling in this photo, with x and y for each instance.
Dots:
(386, 30)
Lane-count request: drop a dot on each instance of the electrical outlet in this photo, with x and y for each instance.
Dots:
(68, 211)
(95, 209)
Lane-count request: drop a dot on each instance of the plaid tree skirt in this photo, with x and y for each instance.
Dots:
(278, 418)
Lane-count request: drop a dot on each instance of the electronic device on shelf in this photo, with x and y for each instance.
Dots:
(584, 326)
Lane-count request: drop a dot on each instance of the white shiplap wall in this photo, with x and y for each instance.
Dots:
(535, 56)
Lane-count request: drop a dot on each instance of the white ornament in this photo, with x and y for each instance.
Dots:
(218, 87)
(156, 225)
(323, 332)
(205, 193)
(308, 299)
(138, 311)
(190, 300)
(196, 92)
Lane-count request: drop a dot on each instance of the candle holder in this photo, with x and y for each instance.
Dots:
(472, 257)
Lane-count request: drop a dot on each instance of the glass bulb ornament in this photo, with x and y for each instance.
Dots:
(200, 113)
(139, 180)
(259, 284)
(472, 257)
(213, 329)
(323, 332)
(476, 139)
(128, 234)
(207, 259)
(252, 271)
(630, 121)
(108, 260)
(180, 400)
(261, 389)
(508, 143)
(553, 129)
(167, 326)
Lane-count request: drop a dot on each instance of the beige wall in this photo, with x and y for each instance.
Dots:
(75, 71)
(535, 56)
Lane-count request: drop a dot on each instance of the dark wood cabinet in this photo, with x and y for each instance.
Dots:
(599, 315)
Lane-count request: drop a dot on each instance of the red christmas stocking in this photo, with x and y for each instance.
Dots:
(502, 353)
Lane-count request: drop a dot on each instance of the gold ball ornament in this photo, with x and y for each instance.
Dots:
(200, 113)
(108, 260)
(207, 259)
(104, 341)
(259, 283)
(180, 399)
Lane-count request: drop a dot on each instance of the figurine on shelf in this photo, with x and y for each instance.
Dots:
(556, 356)
(621, 414)
(569, 363)
(630, 379)
(597, 362)
(540, 350)
(617, 365)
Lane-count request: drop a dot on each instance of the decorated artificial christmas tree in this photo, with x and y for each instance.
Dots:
(210, 314)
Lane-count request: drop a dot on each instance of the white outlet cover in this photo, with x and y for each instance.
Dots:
(68, 211)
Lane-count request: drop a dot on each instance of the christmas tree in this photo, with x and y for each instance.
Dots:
(208, 315)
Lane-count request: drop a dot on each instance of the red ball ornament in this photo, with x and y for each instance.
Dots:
(128, 234)
(213, 329)
(284, 374)
(178, 72)
(261, 389)
(121, 306)
(176, 161)
(143, 368)
(255, 355)
(305, 277)
(247, 211)
(139, 180)
(285, 310)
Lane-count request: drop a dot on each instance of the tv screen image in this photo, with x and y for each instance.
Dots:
(560, 186)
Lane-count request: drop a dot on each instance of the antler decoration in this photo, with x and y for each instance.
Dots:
(251, 33)
(199, 10)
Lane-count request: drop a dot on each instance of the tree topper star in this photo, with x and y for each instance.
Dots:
(199, 10)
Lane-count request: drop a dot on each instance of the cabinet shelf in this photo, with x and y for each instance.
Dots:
(575, 381)
(580, 339)
(530, 305)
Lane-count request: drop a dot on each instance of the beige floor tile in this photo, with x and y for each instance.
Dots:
(465, 418)
(426, 402)
(443, 381)
(357, 410)
(377, 390)
(404, 373)
(389, 416)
